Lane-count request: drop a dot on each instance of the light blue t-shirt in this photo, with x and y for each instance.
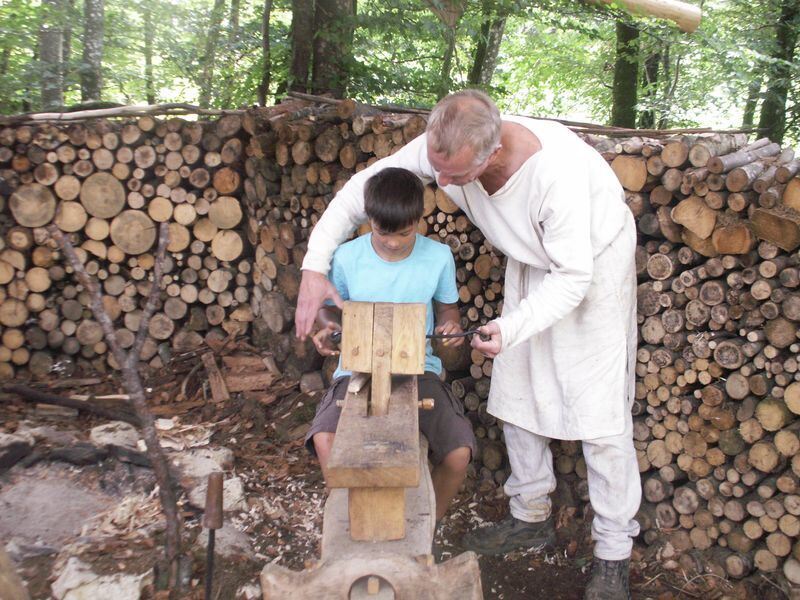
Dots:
(427, 274)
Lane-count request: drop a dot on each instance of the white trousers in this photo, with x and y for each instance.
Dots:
(615, 488)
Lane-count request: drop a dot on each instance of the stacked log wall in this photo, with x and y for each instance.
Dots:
(717, 388)
(106, 184)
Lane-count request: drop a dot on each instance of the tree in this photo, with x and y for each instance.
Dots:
(626, 75)
(773, 109)
(650, 81)
(302, 38)
(66, 40)
(149, 84)
(50, 53)
(753, 92)
(449, 13)
(209, 55)
(333, 46)
(233, 32)
(266, 58)
(91, 71)
(484, 59)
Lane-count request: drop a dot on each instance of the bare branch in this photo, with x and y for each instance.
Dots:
(133, 385)
(152, 297)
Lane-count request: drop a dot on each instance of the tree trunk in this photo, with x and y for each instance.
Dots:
(266, 58)
(487, 48)
(66, 42)
(91, 73)
(4, 57)
(50, 49)
(669, 87)
(233, 32)
(149, 84)
(445, 81)
(209, 57)
(302, 35)
(647, 119)
(333, 46)
(753, 91)
(773, 110)
(449, 13)
(626, 69)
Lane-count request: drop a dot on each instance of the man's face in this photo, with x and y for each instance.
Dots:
(395, 245)
(458, 169)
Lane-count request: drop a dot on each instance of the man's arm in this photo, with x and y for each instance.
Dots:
(566, 217)
(344, 213)
(330, 320)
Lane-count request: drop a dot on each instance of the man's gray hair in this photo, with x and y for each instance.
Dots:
(468, 117)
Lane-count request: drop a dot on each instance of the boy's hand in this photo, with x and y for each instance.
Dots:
(322, 340)
(449, 328)
(489, 348)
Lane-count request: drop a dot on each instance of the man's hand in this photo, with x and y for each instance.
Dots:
(489, 348)
(315, 288)
(322, 340)
(449, 328)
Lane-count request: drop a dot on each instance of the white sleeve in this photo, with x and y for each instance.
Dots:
(565, 216)
(346, 210)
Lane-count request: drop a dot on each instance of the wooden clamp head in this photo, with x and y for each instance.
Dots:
(376, 451)
(383, 339)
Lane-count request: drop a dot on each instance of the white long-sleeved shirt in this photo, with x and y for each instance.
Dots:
(558, 211)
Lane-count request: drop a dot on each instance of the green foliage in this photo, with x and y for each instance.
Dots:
(556, 58)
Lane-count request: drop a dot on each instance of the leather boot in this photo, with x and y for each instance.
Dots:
(609, 580)
(510, 534)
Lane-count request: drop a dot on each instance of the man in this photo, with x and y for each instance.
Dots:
(565, 344)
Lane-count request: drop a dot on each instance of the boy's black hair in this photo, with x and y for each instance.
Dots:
(393, 199)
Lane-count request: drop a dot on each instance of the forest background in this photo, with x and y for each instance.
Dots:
(552, 58)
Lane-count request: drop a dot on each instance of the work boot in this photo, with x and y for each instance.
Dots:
(609, 580)
(510, 534)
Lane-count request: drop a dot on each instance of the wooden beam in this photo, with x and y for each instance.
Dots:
(377, 451)
(420, 518)
(686, 16)
(377, 514)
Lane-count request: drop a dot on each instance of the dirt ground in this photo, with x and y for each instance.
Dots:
(285, 494)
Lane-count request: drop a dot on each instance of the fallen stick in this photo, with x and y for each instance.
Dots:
(31, 395)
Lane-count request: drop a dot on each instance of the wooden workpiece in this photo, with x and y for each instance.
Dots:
(356, 352)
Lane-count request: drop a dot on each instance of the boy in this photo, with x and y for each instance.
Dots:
(395, 264)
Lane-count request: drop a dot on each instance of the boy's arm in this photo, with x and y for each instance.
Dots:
(448, 321)
(329, 319)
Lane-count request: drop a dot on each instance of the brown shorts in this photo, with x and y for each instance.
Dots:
(445, 425)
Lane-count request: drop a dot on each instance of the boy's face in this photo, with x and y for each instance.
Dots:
(393, 245)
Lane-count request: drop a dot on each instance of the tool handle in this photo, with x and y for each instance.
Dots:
(212, 517)
(336, 336)
(444, 336)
